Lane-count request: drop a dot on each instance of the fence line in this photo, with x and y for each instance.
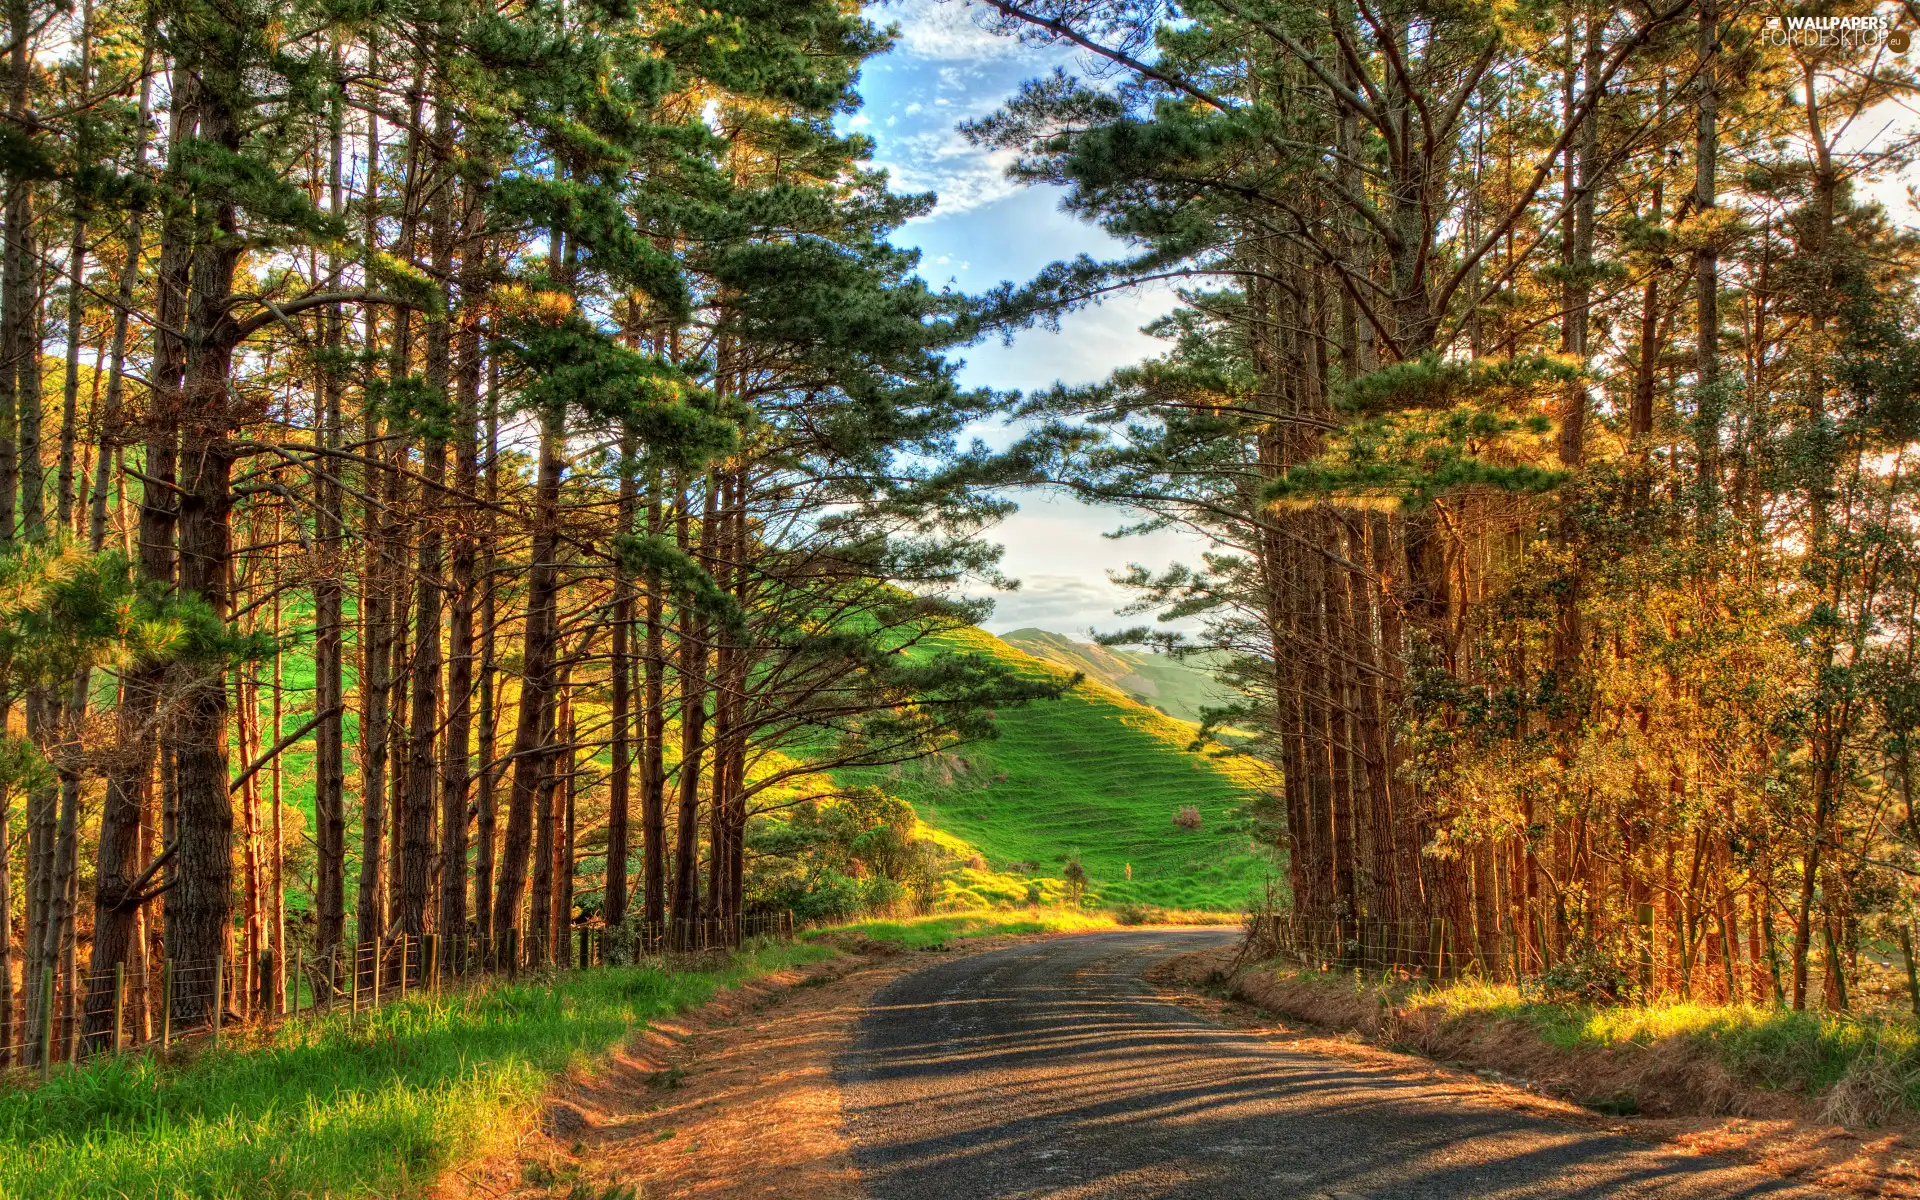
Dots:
(1714, 963)
(80, 1016)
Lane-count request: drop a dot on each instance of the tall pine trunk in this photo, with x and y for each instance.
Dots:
(528, 756)
(455, 770)
(619, 783)
(329, 767)
(693, 732)
(653, 772)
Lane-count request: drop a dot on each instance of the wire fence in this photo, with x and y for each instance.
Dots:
(1412, 947)
(1710, 964)
(1713, 959)
(74, 1016)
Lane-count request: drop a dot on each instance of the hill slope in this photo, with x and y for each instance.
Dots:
(1177, 687)
(1095, 774)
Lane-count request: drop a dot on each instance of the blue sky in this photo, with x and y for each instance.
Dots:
(946, 68)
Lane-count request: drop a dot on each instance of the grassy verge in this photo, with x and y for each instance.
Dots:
(936, 929)
(921, 933)
(1667, 1058)
(321, 1109)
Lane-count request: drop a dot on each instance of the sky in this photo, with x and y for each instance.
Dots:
(946, 68)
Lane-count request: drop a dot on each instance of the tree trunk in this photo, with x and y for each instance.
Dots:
(369, 906)
(484, 832)
(129, 777)
(329, 765)
(693, 732)
(455, 771)
(653, 773)
(614, 903)
(537, 681)
(416, 860)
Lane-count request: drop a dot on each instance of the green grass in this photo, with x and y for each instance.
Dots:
(324, 1109)
(919, 933)
(1095, 774)
(1098, 774)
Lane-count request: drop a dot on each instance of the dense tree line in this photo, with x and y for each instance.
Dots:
(507, 425)
(1544, 376)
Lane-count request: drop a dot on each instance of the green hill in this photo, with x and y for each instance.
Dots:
(1178, 687)
(1097, 775)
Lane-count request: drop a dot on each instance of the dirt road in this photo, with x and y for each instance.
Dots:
(1053, 1070)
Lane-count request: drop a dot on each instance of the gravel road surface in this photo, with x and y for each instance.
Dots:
(1052, 1070)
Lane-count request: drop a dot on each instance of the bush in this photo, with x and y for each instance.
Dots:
(1075, 876)
(1592, 976)
(1188, 817)
(883, 895)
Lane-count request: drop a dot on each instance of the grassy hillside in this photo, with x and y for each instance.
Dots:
(1098, 775)
(1177, 687)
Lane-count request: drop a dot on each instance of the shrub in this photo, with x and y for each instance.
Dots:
(883, 894)
(1075, 876)
(1188, 817)
(1593, 975)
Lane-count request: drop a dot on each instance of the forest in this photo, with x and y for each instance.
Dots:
(516, 417)
(509, 433)
(1544, 377)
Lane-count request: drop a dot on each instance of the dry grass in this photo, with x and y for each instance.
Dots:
(1690, 1076)
(1666, 1059)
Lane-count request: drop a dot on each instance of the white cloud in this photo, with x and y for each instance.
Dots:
(946, 30)
(1054, 547)
(1060, 603)
(1089, 345)
(941, 160)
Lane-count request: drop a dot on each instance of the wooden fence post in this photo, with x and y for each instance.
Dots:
(46, 1023)
(353, 989)
(119, 1004)
(1643, 917)
(219, 982)
(166, 1003)
(379, 965)
(1913, 981)
(1436, 946)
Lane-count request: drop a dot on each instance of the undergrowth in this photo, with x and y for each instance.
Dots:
(1861, 1069)
(324, 1108)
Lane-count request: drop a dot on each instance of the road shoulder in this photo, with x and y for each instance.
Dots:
(1852, 1162)
(734, 1099)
